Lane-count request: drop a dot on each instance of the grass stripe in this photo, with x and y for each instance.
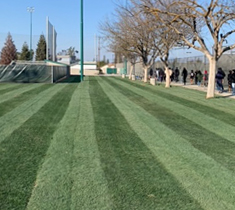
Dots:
(54, 178)
(220, 128)
(9, 88)
(136, 178)
(203, 178)
(14, 119)
(76, 175)
(23, 151)
(90, 187)
(220, 102)
(6, 85)
(208, 142)
(15, 93)
(9, 105)
(219, 114)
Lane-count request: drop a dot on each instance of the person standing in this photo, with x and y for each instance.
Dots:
(229, 77)
(157, 74)
(195, 77)
(184, 75)
(177, 73)
(172, 75)
(233, 82)
(205, 78)
(219, 78)
(223, 73)
(151, 73)
(199, 78)
(161, 73)
(191, 77)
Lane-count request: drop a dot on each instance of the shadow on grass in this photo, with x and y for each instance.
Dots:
(72, 79)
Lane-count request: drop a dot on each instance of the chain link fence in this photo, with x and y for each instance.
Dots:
(226, 62)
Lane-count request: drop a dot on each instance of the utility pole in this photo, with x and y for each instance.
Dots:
(31, 10)
(81, 37)
(95, 43)
(98, 60)
(125, 58)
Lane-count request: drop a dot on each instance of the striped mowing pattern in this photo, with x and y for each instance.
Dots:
(110, 143)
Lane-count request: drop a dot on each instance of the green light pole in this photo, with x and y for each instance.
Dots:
(31, 10)
(81, 44)
(125, 61)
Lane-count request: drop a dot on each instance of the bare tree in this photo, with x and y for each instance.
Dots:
(134, 34)
(119, 47)
(213, 18)
(167, 39)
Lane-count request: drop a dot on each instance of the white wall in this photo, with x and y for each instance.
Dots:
(89, 69)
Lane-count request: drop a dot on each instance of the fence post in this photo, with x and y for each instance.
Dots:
(52, 74)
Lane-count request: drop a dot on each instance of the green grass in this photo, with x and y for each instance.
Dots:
(206, 141)
(5, 88)
(111, 143)
(9, 105)
(22, 151)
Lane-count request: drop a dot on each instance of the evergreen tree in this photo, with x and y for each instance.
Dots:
(41, 49)
(9, 52)
(25, 53)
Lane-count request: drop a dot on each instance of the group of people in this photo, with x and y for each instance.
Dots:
(197, 77)
(160, 75)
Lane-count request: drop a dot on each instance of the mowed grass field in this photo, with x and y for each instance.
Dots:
(110, 143)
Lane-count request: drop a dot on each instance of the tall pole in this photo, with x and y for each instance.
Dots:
(81, 44)
(125, 58)
(95, 48)
(99, 51)
(31, 10)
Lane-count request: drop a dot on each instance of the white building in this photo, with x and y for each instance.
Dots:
(89, 68)
(66, 59)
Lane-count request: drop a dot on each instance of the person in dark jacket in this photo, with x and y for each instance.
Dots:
(230, 81)
(177, 73)
(195, 77)
(219, 80)
(184, 75)
(199, 78)
(151, 73)
(233, 82)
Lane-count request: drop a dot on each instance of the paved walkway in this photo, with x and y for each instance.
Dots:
(204, 89)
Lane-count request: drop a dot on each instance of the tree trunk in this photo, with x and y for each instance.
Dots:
(146, 74)
(211, 81)
(168, 74)
(131, 70)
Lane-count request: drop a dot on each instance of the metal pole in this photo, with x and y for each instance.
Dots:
(81, 37)
(31, 29)
(31, 10)
(125, 64)
(125, 61)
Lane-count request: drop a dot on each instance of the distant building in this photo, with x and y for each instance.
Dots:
(89, 68)
(66, 59)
